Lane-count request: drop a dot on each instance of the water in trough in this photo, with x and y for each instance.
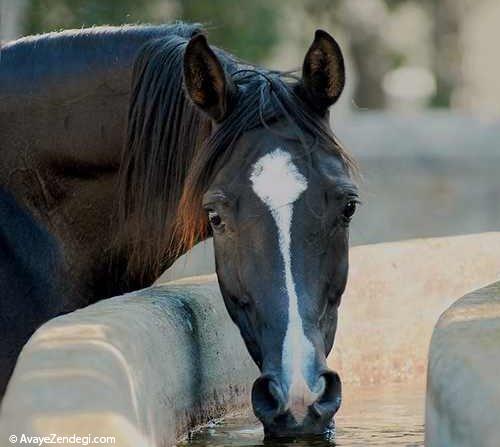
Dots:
(390, 415)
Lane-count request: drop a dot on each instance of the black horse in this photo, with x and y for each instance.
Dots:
(214, 147)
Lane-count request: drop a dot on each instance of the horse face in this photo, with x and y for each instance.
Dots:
(279, 218)
(280, 229)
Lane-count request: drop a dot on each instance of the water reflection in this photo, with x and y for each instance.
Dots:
(370, 416)
(246, 431)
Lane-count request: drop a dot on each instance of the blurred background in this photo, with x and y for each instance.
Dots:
(421, 107)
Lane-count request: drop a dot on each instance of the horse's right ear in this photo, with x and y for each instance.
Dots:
(206, 81)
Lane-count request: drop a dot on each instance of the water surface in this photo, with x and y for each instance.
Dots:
(369, 416)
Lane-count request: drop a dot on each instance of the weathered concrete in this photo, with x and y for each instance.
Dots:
(395, 294)
(146, 366)
(143, 367)
(463, 388)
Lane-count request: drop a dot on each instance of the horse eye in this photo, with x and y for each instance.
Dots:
(214, 219)
(349, 209)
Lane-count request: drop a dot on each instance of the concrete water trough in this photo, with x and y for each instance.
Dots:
(148, 366)
(463, 387)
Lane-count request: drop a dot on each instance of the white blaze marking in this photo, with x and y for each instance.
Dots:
(278, 183)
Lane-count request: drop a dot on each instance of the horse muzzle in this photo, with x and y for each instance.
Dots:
(303, 412)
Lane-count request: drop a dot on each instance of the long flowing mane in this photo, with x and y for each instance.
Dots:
(172, 152)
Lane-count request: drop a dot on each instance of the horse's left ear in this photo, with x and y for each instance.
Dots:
(323, 72)
(206, 81)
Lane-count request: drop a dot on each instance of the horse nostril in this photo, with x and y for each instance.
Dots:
(268, 399)
(283, 415)
(329, 401)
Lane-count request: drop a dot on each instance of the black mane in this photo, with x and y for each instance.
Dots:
(171, 153)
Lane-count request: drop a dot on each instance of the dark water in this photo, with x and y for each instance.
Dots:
(370, 416)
